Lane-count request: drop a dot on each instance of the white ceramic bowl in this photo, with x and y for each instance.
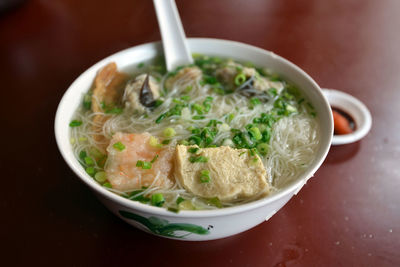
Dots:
(207, 224)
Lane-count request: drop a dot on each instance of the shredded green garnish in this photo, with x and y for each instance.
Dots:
(154, 159)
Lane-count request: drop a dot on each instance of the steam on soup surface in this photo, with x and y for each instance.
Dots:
(213, 134)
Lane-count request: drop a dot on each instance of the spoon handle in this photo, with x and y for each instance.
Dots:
(173, 37)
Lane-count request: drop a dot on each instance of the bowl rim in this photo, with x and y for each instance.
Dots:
(294, 186)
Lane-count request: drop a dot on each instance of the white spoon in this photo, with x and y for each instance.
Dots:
(173, 37)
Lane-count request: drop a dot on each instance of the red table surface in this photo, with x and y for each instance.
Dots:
(347, 214)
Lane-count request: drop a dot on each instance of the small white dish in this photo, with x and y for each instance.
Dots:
(356, 109)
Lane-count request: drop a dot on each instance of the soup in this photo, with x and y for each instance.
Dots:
(213, 134)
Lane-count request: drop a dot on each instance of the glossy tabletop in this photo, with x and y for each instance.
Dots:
(348, 214)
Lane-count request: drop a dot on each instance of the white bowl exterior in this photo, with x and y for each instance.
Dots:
(218, 227)
(227, 221)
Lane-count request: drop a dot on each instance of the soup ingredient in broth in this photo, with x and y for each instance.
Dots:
(230, 173)
(139, 163)
(108, 89)
(142, 93)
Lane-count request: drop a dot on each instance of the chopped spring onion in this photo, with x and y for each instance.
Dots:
(176, 210)
(179, 200)
(100, 177)
(205, 176)
(89, 161)
(186, 205)
(198, 159)
(255, 101)
(158, 103)
(139, 163)
(188, 88)
(215, 202)
(228, 142)
(114, 110)
(75, 123)
(108, 185)
(154, 159)
(193, 149)
(198, 108)
(198, 117)
(154, 142)
(209, 79)
(290, 109)
(87, 101)
(224, 127)
(145, 165)
(169, 132)
(90, 170)
(263, 148)
(161, 117)
(82, 155)
(229, 117)
(272, 91)
(239, 79)
(185, 98)
(157, 199)
(255, 133)
(119, 146)
(207, 103)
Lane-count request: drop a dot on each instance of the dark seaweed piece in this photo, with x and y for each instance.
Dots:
(146, 95)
